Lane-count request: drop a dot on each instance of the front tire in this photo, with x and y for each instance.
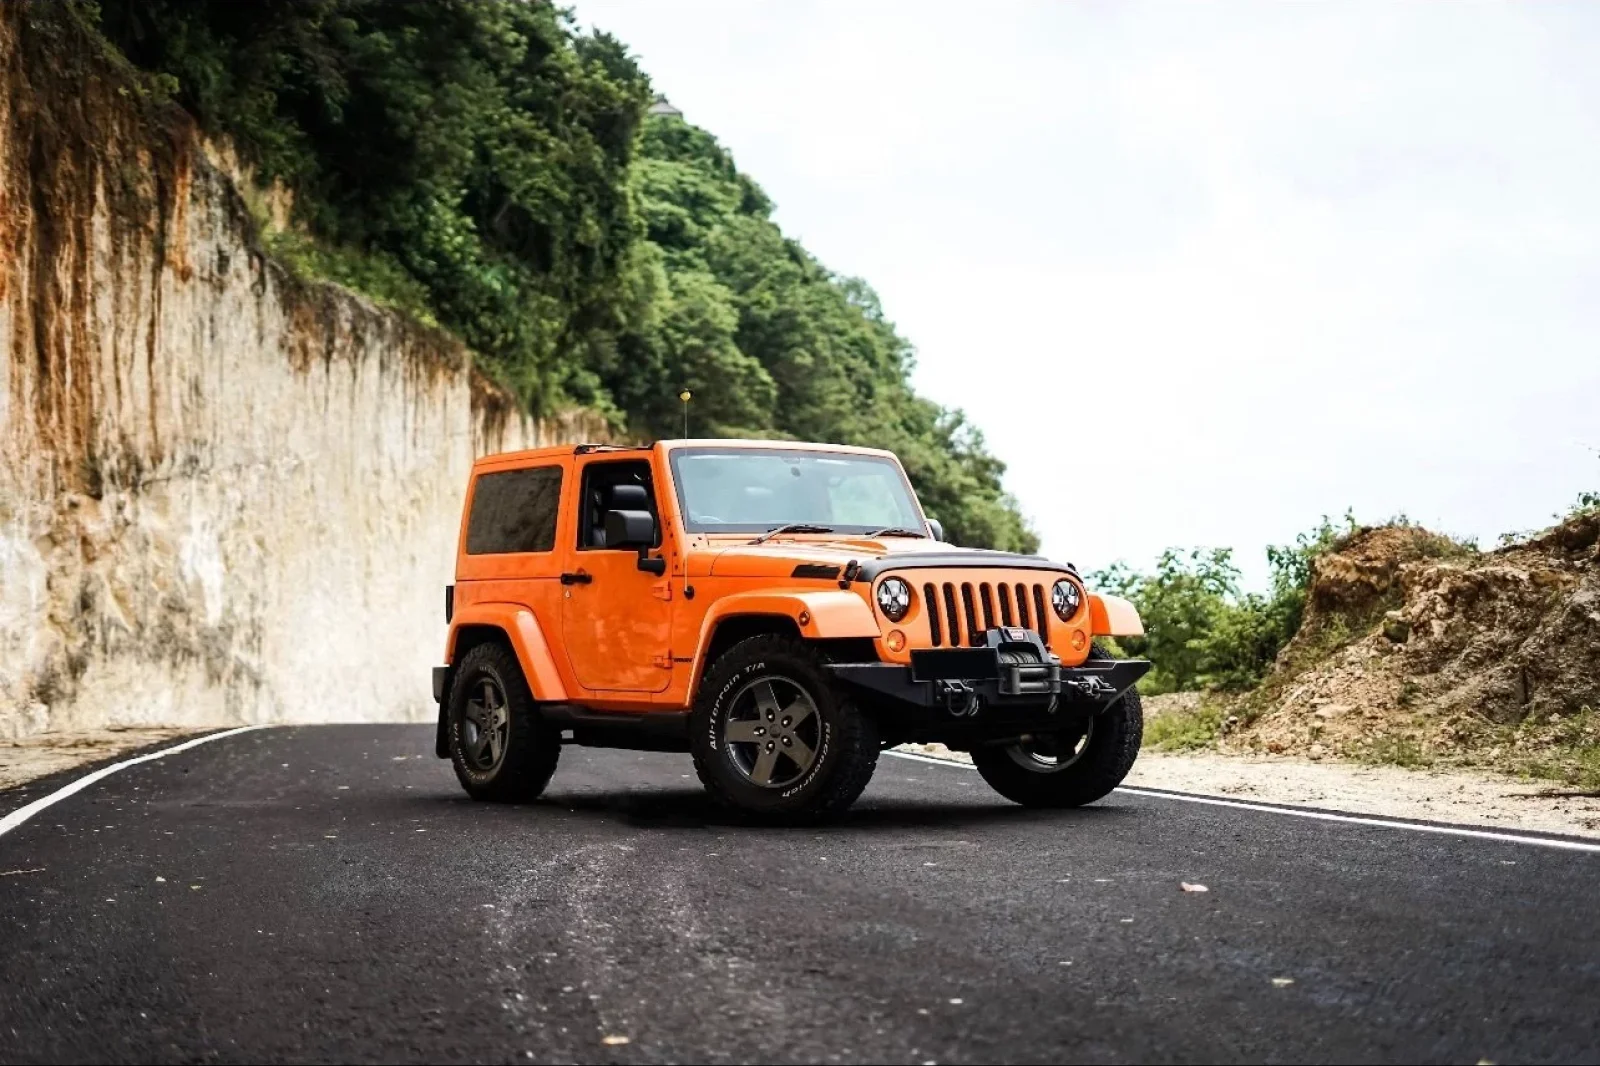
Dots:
(502, 750)
(1066, 771)
(772, 736)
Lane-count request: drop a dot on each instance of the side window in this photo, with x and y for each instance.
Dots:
(515, 511)
(614, 486)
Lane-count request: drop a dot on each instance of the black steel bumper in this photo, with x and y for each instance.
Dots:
(994, 681)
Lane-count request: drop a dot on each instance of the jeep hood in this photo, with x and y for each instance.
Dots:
(780, 557)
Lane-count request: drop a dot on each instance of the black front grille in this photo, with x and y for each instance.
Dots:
(959, 614)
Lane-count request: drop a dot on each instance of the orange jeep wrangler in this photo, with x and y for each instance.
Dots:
(781, 611)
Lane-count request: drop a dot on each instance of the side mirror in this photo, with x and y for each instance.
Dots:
(936, 527)
(635, 529)
(630, 529)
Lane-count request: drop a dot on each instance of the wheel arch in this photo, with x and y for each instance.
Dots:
(1113, 616)
(814, 616)
(515, 625)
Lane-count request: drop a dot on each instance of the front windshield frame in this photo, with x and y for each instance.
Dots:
(691, 525)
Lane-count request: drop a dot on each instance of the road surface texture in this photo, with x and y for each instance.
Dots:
(327, 893)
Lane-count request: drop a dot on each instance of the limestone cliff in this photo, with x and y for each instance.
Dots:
(226, 495)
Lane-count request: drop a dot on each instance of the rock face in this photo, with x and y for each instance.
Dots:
(1517, 634)
(226, 495)
(1408, 635)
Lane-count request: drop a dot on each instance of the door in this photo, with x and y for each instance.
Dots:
(615, 618)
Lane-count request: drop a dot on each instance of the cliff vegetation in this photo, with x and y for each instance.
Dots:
(486, 166)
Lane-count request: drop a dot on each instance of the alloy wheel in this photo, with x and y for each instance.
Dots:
(1051, 753)
(485, 726)
(772, 731)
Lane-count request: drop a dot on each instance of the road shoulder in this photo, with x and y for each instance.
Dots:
(1459, 797)
(46, 755)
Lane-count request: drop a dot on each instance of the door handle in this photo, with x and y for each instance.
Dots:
(580, 578)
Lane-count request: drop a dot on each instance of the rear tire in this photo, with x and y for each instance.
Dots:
(772, 736)
(1081, 776)
(502, 750)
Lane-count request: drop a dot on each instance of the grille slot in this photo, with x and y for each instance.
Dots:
(958, 615)
(950, 614)
(971, 613)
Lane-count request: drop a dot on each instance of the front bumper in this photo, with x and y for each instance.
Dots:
(1011, 677)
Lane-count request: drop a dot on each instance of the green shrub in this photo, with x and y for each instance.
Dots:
(1185, 730)
(1201, 631)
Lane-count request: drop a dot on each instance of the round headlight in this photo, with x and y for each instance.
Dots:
(894, 598)
(1066, 599)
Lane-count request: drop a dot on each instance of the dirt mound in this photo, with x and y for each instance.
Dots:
(1417, 649)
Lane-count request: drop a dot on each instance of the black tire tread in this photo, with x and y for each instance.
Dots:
(1113, 747)
(858, 734)
(532, 747)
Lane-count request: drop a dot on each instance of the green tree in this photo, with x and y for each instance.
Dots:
(483, 163)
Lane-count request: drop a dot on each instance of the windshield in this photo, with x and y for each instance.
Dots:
(747, 490)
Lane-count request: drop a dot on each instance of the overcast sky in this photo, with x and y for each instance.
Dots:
(1202, 273)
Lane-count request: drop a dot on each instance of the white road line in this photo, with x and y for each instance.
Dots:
(22, 814)
(1321, 816)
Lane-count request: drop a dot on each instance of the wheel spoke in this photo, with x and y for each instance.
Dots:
(742, 731)
(799, 711)
(475, 714)
(766, 699)
(475, 746)
(761, 773)
(801, 753)
(488, 694)
(497, 743)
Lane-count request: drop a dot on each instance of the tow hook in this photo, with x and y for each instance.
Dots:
(960, 698)
(1091, 686)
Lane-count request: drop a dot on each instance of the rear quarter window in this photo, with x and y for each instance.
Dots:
(514, 511)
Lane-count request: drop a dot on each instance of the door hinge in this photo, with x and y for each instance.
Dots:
(663, 661)
(662, 591)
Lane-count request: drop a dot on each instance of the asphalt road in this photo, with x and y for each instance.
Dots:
(328, 893)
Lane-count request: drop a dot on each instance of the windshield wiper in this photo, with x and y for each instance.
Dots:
(792, 527)
(896, 531)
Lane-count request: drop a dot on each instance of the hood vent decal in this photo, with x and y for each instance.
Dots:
(822, 570)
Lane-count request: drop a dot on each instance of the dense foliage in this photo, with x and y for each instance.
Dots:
(483, 164)
(1201, 630)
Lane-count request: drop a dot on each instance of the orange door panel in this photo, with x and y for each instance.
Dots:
(615, 626)
(615, 618)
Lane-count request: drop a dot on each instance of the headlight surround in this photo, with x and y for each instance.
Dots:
(1066, 597)
(894, 598)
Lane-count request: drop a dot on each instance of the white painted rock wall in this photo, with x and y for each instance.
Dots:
(226, 496)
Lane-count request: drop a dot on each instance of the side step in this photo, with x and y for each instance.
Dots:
(656, 731)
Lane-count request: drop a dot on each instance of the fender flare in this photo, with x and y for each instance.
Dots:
(1113, 616)
(830, 613)
(527, 640)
